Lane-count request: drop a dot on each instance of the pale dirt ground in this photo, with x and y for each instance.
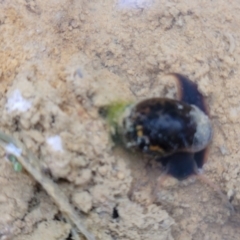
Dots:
(68, 58)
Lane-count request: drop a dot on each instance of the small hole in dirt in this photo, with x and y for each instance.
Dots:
(38, 127)
(115, 213)
(69, 237)
(61, 181)
(231, 199)
(53, 119)
(103, 112)
(58, 217)
(16, 123)
(33, 203)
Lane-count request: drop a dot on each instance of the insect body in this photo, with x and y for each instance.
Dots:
(165, 126)
(171, 130)
(176, 132)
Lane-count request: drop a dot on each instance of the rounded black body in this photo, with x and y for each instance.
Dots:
(162, 126)
(177, 132)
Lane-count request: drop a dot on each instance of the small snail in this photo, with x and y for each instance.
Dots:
(176, 132)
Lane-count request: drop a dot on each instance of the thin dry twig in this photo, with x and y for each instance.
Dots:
(33, 167)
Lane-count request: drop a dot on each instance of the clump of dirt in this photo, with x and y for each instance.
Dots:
(61, 61)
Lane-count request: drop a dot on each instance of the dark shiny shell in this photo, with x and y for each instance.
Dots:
(165, 126)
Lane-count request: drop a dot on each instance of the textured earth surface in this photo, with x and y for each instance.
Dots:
(61, 60)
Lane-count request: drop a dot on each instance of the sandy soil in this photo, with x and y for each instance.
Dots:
(64, 59)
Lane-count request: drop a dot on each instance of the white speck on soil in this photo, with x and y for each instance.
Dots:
(17, 103)
(12, 149)
(56, 143)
